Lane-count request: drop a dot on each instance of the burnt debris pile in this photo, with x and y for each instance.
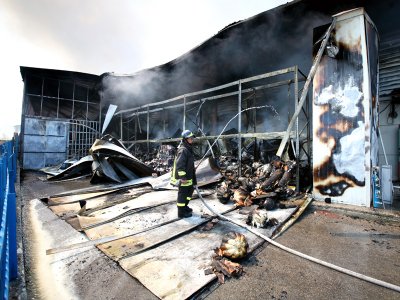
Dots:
(261, 184)
(161, 160)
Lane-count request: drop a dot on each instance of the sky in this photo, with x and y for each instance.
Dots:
(98, 36)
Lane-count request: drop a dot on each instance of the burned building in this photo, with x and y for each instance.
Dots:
(244, 83)
(60, 116)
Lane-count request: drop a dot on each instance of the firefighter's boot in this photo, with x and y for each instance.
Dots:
(187, 207)
(183, 212)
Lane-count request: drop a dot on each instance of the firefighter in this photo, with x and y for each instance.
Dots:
(184, 174)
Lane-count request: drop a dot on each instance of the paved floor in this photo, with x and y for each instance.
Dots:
(363, 240)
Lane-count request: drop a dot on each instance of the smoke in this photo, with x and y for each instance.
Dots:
(267, 42)
(131, 91)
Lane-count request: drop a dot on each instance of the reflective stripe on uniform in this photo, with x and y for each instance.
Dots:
(180, 204)
(181, 173)
(188, 182)
(188, 198)
(173, 180)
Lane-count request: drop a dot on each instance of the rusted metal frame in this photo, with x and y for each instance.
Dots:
(306, 86)
(220, 87)
(239, 139)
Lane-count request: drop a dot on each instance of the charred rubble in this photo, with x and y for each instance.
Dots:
(233, 248)
(161, 159)
(259, 184)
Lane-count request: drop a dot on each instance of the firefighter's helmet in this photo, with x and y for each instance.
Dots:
(187, 134)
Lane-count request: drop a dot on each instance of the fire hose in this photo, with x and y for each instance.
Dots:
(302, 255)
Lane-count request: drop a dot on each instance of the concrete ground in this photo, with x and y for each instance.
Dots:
(363, 240)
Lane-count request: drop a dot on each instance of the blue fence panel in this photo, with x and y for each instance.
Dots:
(8, 213)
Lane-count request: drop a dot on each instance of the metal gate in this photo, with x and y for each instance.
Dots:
(81, 136)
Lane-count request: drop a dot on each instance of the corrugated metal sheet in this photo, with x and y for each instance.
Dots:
(45, 142)
(389, 65)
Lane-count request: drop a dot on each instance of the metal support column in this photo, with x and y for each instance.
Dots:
(296, 101)
(240, 129)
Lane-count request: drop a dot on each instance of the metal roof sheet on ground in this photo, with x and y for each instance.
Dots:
(176, 270)
(145, 200)
(149, 255)
(69, 205)
(135, 223)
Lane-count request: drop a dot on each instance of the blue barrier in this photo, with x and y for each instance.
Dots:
(8, 213)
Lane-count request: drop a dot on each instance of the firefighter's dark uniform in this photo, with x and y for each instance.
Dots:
(183, 169)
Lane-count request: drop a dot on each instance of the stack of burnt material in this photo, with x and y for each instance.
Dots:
(262, 184)
(162, 160)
